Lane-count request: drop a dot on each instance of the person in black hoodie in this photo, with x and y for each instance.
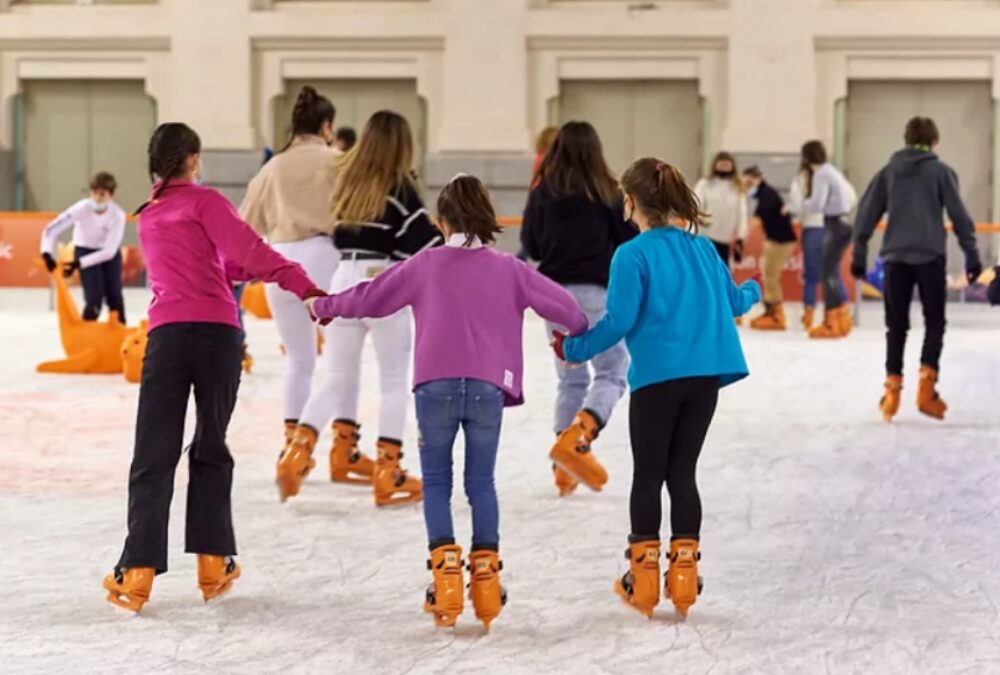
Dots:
(915, 189)
(778, 247)
(573, 223)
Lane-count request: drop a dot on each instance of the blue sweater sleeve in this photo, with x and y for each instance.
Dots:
(626, 291)
(742, 297)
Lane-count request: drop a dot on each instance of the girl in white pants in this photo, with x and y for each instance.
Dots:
(288, 202)
(380, 220)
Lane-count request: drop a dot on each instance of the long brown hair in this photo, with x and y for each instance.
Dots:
(380, 165)
(661, 192)
(813, 153)
(465, 205)
(724, 156)
(575, 163)
(311, 112)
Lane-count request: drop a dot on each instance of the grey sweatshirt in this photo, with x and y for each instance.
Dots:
(915, 190)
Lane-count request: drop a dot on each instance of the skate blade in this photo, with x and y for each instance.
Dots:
(400, 500)
(566, 492)
(933, 414)
(351, 480)
(682, 611)
(215, 590)
(286, 488)
(444, 620)
(627, 599)
(593, 486)
(132, 604)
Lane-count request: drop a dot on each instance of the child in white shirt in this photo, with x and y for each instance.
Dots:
(98, 228)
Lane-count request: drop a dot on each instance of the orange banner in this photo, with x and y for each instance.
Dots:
(20, 235)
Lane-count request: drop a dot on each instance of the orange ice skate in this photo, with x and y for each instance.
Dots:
(444, 596)
(889, 405)
(487, 594)
(391, 483)
(216, 575)
(296, 461)
(683, 583)
(808, 316)
(773, 318)
(565, 483)
(640, 586)
(572, 452)
(347, 464)
(130, 589)
(928, 400)
(832, 327)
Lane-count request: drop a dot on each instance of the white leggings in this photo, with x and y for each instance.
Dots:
(338, 397)
(318, 258)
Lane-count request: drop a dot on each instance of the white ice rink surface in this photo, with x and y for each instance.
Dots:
(833, 543)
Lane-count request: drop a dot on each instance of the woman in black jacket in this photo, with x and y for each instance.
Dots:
(573, 224)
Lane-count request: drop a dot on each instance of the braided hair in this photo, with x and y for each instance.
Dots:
(169, 149)
(311, 112)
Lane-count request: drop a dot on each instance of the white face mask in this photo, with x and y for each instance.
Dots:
(99, 207)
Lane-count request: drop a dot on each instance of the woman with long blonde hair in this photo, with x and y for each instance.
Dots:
(380, 220)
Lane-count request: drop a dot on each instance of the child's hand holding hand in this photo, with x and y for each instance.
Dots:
(557, 346)
(310, 303)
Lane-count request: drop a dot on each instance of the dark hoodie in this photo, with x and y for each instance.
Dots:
(915, 190)
(572, 237)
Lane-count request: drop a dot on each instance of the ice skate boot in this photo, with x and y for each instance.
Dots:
(391, 483)
(808, 316)
(572, 452)
(845, 320)
(928, 400)
(683, 583)
(831, 328)
(130, 589)
(889, 405)
(565, 483)
(290, 427)
(487, 594)
(347, 464)
(772, 319)
(640, 586)
(216, 574)
(444, 596)
(296, 462)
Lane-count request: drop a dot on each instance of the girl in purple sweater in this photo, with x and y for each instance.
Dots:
(195, 245)
(468, 302)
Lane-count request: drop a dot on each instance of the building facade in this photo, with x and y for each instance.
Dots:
(82, 82)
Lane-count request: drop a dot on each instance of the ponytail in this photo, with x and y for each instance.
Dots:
(169, 149)
(310, 113)
(662, 193)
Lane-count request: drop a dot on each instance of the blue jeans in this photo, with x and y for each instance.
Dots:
(444, 406)
(577, 390)
(812, 262)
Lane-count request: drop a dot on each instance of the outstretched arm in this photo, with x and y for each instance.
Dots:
(551, 301)
(245, 254)
(625, 295)
(63, 222)
(870, 212)
(383, 296)
(741, 296)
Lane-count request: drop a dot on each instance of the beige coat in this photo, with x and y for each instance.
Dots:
(289, 200)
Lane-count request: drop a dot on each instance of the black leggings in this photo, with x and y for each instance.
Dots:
(668, 423)
(102, 284)
(900, 280)
(179, 357)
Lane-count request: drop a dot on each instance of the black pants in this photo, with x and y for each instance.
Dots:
(205, 356)
(724, 251)
(931, 281)
(836, 239)
(101, 284)
(668, 423)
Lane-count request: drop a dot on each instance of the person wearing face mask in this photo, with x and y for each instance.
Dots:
(722, 198)
(288, 203)
(98, 228)
(778, 246)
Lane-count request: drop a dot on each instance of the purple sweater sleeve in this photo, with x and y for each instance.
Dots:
(383, 296)
(551, 301)
(246, 255)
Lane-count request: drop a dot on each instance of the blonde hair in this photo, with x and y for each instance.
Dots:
(724, 156)
(379, 165)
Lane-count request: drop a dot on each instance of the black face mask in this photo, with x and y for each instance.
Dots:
(725, 174)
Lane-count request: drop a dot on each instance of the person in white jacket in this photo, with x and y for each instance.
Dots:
(723, 199)
(98, 229)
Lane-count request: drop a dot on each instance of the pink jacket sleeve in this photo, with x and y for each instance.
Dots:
(383, 296)
(246, 255)
(551, 301)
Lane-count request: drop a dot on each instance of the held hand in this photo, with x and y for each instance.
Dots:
(50, 262)
(70, 268)
(738, 251)
(973, 272)
(858, 270)
(993, 292)
(557, 344)
(310, 303)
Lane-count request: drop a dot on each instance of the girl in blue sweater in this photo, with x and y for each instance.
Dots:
(673, 301)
